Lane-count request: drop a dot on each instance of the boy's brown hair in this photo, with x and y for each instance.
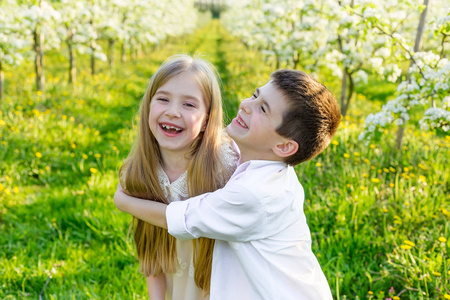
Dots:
(312, 116)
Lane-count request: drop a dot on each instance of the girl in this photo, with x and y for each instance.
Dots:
(180, 152)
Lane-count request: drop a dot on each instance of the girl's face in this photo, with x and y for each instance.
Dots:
(177, 114)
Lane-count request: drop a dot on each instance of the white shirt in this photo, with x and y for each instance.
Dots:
(263, 244)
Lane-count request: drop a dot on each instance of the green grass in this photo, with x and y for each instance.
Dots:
(59, 157)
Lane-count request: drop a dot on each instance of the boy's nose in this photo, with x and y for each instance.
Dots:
(246, 105)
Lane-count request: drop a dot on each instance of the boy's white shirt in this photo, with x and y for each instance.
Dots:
(263, 244)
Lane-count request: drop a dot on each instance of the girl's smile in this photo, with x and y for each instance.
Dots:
(178, 114)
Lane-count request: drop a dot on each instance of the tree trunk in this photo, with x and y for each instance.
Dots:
(123, 54)
(2, 81)
(92, 61)
(344, 92)
(72, 63)
(417, 48)
(39, 58)
(111, 44)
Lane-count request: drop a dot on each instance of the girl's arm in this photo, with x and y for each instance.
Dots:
(156, 287)
(149, 211)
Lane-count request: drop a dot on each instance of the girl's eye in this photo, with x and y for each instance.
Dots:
(163, 99)
(262, 108)
(189, 104)
(254, 96)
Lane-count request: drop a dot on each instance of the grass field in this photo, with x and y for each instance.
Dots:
(379, 217)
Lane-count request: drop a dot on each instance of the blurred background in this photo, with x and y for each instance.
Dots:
(72, 76)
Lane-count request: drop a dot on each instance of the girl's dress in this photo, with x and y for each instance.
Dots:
(181, 285)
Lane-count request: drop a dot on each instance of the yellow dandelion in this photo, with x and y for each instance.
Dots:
(84, 156)
(39, 93)
(115, 148)
(2, 123)
(370, 293)
(445, 212)
(406, 169)
(391, 169)
(346, 155)
(375, 180)
(2, 187)
(19, 107)
(16, 190)
(391, 185)
(64, 117)
(396, 298)
(362, 188)
(365, 175)
(372, 146)
(7, 192)
(47, 168)
(97, 155)
(406, 242)
(335, 142)
(406, 203)
(405, 176)
(386, 170)
(93, 170)
(406, 247)
(72, 119)
(366, 160)
(379, 171)
(8, 178)
(96, 132)
(73, 146)
(437, 274)
(72, 154)
(422, 166)
(318, 164)
(442, 239)
(422, 178)
(385, 210)
(447, 296)
(38, 154)
(356, 154)
(412, 175)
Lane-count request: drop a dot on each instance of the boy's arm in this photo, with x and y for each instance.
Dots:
(149, 211)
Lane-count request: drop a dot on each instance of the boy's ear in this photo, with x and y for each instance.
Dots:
(286, 148)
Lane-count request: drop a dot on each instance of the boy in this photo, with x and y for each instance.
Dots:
(263, 244)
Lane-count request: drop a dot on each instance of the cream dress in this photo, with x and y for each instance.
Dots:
(180, 285)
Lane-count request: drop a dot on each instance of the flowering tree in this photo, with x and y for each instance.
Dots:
(74, 17)
(12, 39)
(427, 86)
(39, 19)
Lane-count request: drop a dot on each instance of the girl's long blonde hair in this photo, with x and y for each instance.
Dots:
(156, 249)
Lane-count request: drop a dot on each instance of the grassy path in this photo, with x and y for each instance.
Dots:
(378, 219)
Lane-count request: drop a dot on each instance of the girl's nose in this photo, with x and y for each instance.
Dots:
(172, 111)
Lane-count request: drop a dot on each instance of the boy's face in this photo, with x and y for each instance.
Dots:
(254, 127)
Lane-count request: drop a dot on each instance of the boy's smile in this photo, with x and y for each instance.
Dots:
(254, 128)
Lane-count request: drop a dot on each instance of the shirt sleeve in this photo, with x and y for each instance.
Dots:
(232, 214)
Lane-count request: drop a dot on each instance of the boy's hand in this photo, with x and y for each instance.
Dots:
(119, 199)
(149, 211)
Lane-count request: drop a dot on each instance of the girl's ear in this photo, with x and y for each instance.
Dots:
(205, 123)
(286, 148)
